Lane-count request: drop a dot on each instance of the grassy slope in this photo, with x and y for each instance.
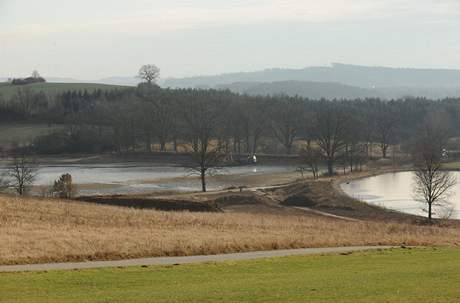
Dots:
(421, 275)
(23, 133)
(7, 90)
(39, 230)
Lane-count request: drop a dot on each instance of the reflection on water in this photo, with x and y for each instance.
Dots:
(138, 178)
(396, 191)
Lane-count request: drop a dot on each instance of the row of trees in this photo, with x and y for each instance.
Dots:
(215, 126)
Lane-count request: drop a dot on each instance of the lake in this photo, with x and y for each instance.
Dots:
(396, 191)
(142, 177)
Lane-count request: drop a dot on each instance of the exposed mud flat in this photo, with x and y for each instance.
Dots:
(139, 178)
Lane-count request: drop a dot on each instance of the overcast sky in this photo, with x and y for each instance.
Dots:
(93, 39)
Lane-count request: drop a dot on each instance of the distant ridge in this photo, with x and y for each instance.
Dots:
(354, 75)
(384, 82)
(313, 90)
(335, 81)
(125, 81)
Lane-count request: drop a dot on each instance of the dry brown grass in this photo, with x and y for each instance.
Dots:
(34, 230)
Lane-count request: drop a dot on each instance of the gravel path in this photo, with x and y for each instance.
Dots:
(187, 260)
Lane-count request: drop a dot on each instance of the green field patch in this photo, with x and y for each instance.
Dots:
(398, 275)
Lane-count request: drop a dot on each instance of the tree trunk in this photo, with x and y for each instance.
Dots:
(21, 188)
(351, 162)
(429, 211)
(288, 148)
(148, 144)
(203, 179)
(162, 145)
(248, 144)
(384, 151)
(254, 147)
(330, 167)
(175, 144)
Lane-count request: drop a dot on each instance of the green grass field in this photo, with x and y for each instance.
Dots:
(8, 90)
(400, 275)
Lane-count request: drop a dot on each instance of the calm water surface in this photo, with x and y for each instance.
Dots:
(396, 191)
(141, 177)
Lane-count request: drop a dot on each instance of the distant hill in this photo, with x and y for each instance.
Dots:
(355, 75)
(431, 92)
(387, 82)
(7, 90)
(125, 81)
(313, 90)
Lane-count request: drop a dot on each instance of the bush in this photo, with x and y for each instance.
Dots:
(63, 188)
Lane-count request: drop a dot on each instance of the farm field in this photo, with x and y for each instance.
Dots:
(398, 275)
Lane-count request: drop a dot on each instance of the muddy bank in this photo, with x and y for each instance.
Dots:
(152, 203)
(144, 178)
(323, 196)
(155, 158)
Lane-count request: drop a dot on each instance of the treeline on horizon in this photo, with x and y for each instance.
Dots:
(135, 118)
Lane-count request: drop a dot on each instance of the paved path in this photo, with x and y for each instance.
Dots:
(187, 260)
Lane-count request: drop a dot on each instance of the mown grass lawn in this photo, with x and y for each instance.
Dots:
(400, 275)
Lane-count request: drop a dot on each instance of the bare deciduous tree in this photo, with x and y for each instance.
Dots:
(149, 73)
(201, 124)
(330, 130)
(23, 173)
(312, 157)
(164, 121)
(386, 124)
(254, 124)
(286, 121)
(35, 74)
(433, 185)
